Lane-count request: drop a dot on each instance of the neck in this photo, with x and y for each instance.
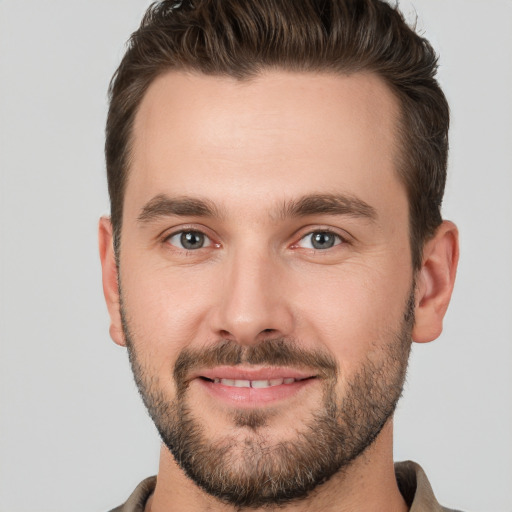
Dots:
(368, 484)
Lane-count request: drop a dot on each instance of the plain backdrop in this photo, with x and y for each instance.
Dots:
(74, 436)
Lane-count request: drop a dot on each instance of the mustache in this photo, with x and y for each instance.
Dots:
(270, 352)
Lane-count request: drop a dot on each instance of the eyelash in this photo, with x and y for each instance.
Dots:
(339, 239)
(182, 232)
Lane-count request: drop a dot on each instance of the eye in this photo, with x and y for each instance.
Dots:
(320, 240)
(189, 240)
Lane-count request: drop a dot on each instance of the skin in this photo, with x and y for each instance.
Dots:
(247, 148)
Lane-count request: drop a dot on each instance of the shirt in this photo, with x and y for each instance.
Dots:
(412, 482)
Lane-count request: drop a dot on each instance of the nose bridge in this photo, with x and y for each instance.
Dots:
(252, 302)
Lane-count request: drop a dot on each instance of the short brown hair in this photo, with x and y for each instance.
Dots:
(240, 38)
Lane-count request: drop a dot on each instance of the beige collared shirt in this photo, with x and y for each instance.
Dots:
(412, 482)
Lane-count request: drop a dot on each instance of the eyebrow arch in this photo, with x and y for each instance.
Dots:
(328, 204)
(184, 206)
(313, 204)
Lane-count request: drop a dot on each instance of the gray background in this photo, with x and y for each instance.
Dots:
(73, 433)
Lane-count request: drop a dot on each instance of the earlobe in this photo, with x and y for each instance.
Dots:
(109, 278)
(435, 281)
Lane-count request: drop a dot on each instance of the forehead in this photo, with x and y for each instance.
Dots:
(308, 132)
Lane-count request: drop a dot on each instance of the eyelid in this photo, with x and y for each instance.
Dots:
(178, 230)
(343, 236)
(206, 238)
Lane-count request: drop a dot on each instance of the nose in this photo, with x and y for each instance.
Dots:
(253, 304)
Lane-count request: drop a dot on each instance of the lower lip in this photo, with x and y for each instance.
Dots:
(253, 397)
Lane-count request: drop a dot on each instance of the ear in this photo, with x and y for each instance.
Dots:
(109, 277)
(434, 282)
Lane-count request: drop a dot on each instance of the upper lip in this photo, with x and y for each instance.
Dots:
(241, 373)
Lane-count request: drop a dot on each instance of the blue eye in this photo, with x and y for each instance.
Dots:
(189, 240)
(320, 240)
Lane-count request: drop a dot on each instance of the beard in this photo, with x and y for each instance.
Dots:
(246, 469)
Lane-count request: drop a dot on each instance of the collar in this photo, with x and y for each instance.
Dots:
(412, 482)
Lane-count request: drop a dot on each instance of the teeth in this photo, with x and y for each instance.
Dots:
(254, 383)
(260, 384)
(242, 383)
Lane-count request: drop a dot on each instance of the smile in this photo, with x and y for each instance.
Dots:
(259, 384)
(250, 387)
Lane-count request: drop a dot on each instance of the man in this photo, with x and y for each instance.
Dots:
(276, 171)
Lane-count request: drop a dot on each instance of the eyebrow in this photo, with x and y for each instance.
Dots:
(328, 204)
(162, 206)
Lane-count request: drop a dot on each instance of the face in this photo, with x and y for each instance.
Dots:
(265, 275)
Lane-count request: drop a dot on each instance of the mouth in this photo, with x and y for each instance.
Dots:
(258, 384)
(238, 387)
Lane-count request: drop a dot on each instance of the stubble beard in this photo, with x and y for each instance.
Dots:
(247, 470)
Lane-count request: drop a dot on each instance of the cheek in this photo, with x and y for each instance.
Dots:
(166, 307)
(353, 312)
